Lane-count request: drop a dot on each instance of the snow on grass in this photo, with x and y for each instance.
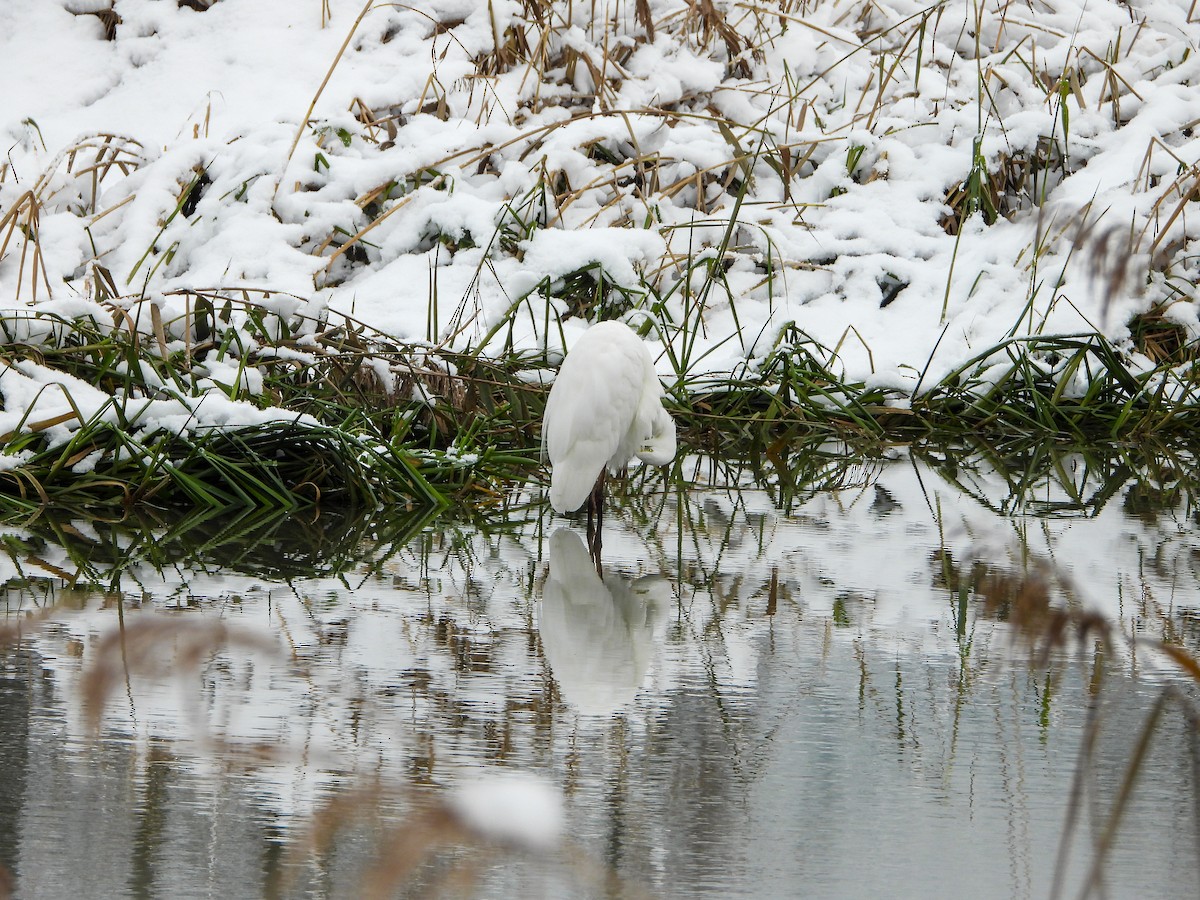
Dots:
(907, 183)
(56, 403)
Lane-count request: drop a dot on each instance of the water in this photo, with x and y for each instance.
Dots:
(832, 701)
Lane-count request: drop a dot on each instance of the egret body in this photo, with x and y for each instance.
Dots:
(605, 408)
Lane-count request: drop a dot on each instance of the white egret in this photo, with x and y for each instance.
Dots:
(605, 408)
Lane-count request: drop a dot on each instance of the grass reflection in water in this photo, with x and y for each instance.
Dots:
(935, 653)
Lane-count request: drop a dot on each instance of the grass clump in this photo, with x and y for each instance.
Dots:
(281, 465)
(352, 416)
(183, 415)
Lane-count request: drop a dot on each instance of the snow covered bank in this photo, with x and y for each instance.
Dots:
(906, 184)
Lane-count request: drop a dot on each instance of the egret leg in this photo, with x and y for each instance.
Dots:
(595, 518)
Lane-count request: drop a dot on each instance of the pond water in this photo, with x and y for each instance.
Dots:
(930, 676)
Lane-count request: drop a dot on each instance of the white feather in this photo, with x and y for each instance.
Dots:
(605, 407)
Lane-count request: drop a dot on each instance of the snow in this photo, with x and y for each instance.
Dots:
(616, 250)
(503, 181)
(54, 402)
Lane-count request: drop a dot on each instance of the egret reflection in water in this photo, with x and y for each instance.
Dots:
(599, 635)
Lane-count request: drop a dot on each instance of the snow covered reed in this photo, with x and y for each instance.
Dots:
(871, 217)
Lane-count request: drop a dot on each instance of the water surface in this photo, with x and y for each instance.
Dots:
(811, 692)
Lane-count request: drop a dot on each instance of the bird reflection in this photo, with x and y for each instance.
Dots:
(598, 635)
